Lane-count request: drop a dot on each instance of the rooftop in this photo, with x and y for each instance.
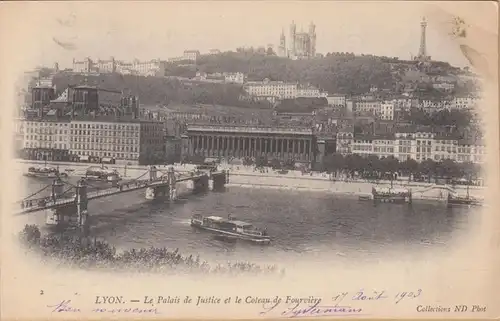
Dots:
(250, 129)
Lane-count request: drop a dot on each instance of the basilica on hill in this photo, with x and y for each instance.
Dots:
(301, 45)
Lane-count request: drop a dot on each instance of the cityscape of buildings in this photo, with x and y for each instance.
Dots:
(86, 122)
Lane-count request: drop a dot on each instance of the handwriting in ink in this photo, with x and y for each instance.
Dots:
(126, 310)
(407, 295)
(63, 306)
(361, 295)
(297, 311)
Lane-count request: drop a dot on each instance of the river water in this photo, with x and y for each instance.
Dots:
(305, 225)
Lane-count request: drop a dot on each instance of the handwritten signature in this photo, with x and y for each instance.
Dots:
(297, 311)
(294, 309)
(66, 306)
(63, 306)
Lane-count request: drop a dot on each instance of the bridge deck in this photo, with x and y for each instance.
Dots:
(122, 188)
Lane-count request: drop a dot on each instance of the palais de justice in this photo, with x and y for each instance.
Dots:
(250, 141)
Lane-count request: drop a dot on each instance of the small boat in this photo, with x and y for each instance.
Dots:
(467, 200)
(44, 172)
(234, 229)
(102, 174)
(391, 194)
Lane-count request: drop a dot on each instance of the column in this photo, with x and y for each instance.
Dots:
(301, 149)
(238, 146)
(308, 149)
(231, 145)
(209, 143)
(265, 146)
(216, 149)
(224, 146)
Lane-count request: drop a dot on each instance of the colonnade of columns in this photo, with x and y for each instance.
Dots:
(297, 148)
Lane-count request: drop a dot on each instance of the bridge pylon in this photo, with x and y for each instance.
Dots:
(57, 188)
(82, 201)
(172, 182)
(153, 173)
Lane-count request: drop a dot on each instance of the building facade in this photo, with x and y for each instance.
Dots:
(386, 111)
(336, 100)
(298, 144)
(154, 67)
(419, 146)
(46, 139)
(111, 138)
(280, 90)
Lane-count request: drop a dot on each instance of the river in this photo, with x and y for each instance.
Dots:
(305, 225)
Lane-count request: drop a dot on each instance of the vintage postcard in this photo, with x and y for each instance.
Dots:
(249, 160)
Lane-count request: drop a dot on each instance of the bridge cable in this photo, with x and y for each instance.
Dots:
(36, 192)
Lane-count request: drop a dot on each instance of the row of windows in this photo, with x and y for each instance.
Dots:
(104, 133)
(366, 148)
(105, 126)
(423, 149)
(47, 131)
(131, 156)
(104, 147)
(46, 124)
(45, 138)
(383, 149)
(44, 145)
(104, 140)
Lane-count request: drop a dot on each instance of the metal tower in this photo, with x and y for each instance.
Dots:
(422, 53)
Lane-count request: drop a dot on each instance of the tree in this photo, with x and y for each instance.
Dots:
(428, 168)
(270, 52)
(334, 163)
(275, 163)
(390, 165)
(261, 161)
(409, 166)
(448, 169)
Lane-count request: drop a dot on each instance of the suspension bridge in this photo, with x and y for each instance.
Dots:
(78, 195)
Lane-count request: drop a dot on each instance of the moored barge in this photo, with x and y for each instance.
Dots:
(467, 200)
(391, 195)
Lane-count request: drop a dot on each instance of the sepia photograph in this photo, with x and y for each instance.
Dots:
(253, 159)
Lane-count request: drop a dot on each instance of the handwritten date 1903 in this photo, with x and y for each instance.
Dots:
(407, 295)
(363, 295)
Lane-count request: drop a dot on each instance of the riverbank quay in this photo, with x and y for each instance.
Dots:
(247, 176)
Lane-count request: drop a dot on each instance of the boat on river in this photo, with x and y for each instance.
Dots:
(467, 200)
(44, 172)
(102, 174)
(391, 195)
(230, 229)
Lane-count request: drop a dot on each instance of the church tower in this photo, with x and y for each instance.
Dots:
(282, 48)
(293, 33)
(312, 39)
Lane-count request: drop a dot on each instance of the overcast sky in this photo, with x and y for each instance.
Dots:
(61, 31)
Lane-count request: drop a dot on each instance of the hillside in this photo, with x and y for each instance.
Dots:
(336, 73)
(343, 73)
(161, 91)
